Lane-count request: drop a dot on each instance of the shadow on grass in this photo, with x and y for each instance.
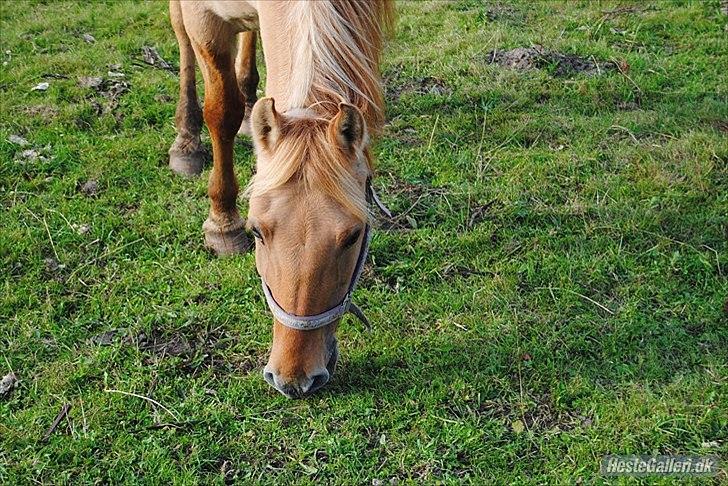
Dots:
(534, 364)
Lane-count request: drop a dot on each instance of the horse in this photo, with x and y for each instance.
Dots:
(310, 195)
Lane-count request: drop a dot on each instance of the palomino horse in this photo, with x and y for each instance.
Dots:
(309, 197)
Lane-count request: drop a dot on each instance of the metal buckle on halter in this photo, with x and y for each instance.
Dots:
(307, 323)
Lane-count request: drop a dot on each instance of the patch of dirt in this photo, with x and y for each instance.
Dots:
(628, 105)
(107, 338)
(417, 196)
(544, 417)
(161, 345)
(204, 350)
(52, 265)
(539, 418)
(8, 384)
(537, 57)
(113, 89)
(90, 188)
(151, 56)
(43, 111)
(156, 343)
(393, 90)
(128, 208)
(110, 90)
(500, 12)
(94, 82)
(490, 10)
(29, 156)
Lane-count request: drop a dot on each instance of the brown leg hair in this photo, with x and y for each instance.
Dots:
(247, 75)
(186, 155)
(214, 45)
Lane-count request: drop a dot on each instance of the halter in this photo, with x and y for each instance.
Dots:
(308, 323)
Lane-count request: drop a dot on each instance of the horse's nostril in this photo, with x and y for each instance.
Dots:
(318, 380)
(270, 378)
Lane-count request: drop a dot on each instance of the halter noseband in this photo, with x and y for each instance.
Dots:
(307, 323)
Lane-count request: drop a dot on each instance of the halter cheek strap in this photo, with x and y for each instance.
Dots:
(307, 323)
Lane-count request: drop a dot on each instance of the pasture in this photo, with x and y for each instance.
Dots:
(551, 289)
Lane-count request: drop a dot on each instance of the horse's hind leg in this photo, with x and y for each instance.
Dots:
(247, 75)
(186, 155)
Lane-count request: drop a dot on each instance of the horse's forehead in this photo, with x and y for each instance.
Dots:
(293, 205)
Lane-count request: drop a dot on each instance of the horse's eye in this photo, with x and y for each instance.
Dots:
(352, 238)
(256, 232)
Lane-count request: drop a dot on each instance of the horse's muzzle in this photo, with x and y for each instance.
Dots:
(300, 387)
(304, 386)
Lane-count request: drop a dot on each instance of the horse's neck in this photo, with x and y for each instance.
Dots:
(277, 52)
(291, 60)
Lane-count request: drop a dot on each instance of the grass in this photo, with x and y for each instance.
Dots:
(556, 291)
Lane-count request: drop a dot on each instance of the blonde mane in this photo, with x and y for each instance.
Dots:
(335, 49)
(335, 56)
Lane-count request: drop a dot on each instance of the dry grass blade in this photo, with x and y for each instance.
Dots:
(150, 400)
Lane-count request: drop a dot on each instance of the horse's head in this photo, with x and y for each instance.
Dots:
(308, 212)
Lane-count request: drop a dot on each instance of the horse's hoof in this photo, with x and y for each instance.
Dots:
(186, 164)
(226, 239)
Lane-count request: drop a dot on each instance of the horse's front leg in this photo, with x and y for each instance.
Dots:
(223, 113)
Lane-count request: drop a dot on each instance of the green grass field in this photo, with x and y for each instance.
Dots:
(553, 289)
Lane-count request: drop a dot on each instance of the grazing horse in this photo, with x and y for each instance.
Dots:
(309, 196)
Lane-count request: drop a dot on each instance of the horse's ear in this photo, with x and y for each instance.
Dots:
(348, 127)
(265, 123)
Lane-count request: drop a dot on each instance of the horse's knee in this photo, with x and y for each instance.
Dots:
(223, 115)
